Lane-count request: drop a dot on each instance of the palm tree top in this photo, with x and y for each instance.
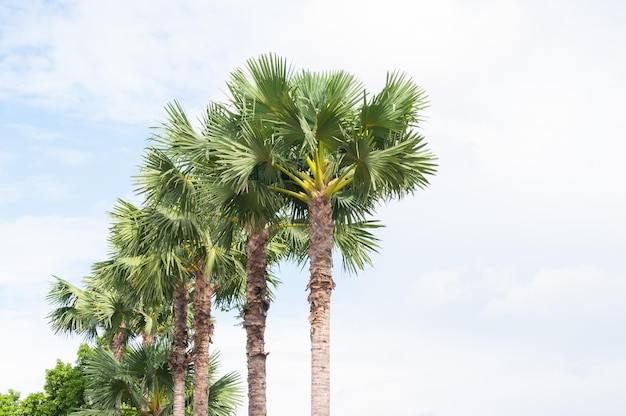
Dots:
(323, 133)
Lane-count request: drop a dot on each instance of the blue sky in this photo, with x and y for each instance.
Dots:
(498, 290)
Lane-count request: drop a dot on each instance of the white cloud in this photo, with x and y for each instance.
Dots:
(430, 40)
(496, 279)
(34, 248)
(439, 287)
(31, 132)
(70, 156)
(5, 159)
(567, 293)
(126, 60)
(38, 188)
(30, 348)
(378, 369)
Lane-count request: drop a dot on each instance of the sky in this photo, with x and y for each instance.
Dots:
(498, 290)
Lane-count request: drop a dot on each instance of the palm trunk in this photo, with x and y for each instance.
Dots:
(147, 339)
(118, 345)
(320, 286)
(203, 331)
(179, 359)
(254, 317)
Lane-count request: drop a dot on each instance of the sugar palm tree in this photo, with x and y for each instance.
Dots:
(111, 306)
(97, 311)
(250, 214)
(181, 225)
(92, 312)
(144, 384)
(157, 274)
(337, 149)
(255, 209)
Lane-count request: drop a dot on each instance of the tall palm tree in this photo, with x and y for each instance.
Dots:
(154, 270)
(98, 311)
(337, 149)
(250, 214)
(183, 226)
(254, 208)
(257, 212)
(111, 306)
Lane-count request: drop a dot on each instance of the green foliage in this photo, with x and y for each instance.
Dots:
(143, 381)
(10, 403)
(64, 389)
(35, 404)
(63, 392)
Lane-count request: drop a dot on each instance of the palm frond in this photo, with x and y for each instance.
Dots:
(326, 100)
(394, 109)
(72, 313)
(355, 242)
(179, 137)
(108, 382)
(163, 182)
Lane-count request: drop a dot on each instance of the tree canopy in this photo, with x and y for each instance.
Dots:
(291, 167)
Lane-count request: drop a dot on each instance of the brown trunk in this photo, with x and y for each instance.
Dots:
(118, 345)
(147, 339)
(203, 331)
(179, 359)
(254, 317)
(320, 286)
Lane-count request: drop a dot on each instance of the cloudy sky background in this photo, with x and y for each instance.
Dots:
(500, 290)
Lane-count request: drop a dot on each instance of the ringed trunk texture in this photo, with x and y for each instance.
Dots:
(203, 331)
(118, 344)
(320, 287)
(179, 358)
(254, 317)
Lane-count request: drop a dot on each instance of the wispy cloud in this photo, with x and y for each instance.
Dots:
(565, 294)
(67, 57)
(70, 156)
(39, 247)
(6, 158)
(439, 287)
(33, 188)
(16, 132)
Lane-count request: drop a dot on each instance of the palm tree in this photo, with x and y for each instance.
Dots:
(144, 384)
(98, 311)
(252, 207)
(92, 312)
(338, 149)
(248, 214)
(154, 270)
(181, 225)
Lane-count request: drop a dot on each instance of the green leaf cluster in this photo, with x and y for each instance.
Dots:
(63, 393)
